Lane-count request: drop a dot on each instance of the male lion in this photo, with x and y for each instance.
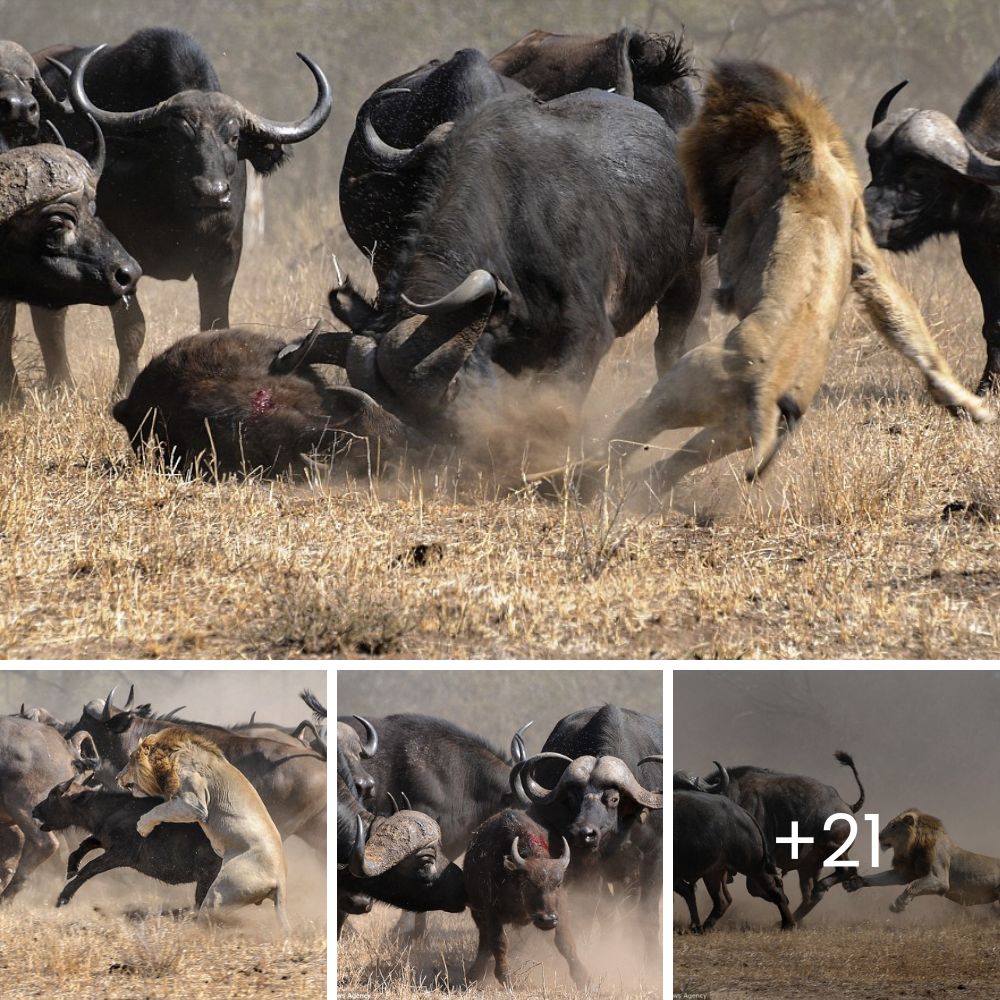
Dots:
(767, 166)
(201, 786)
(926, 861)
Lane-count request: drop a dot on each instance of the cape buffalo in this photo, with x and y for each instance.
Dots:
(550, 230)
(931, 176)
(53, 250)
(211, 403)
(175, 187)
(25, 98)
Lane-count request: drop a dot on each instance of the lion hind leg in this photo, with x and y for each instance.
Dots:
(896, 317)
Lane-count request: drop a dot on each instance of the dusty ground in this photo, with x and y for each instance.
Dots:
(372, 962)
(846, 551)
(868, 961)
(109, 943)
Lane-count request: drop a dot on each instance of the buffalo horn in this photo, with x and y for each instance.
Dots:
(519, 862)
(106, 714)
(656, 758)
(131, 698)
(517, 750)
(56, 134)
(616, 771)
(515, 783)
(395, 804)
(722, 785)
(253, 715)
(882, 108)
(935, 136)
(534, 791)
(564, 857)
(287, 132)
(46, 99)
(24, 715)
(387, 157)
(406, 800)
(118, 121)
(371, 738)
(477, 285)
(357, 864)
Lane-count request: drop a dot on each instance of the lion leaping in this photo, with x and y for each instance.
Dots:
(201, 786)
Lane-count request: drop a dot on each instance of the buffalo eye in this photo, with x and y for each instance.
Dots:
(611, 798)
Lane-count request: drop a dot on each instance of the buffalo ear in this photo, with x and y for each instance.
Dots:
(118, 723)
(265, 156)
(509, 865)
(351, 307)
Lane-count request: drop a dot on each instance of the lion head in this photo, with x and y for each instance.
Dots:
(153, 767)
(913, 837)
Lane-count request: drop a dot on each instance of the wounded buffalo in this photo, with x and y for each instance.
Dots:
(931, 176)
(511, 878)
(53, 250)
(767, 166)
(211, 403)
(550, 230)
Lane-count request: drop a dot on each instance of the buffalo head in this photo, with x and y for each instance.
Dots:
(540, 881)
(923, 170)
(353, 750)
(195, 139)
(24, 97)
(57, 810)
(53, 250)
(595, 801)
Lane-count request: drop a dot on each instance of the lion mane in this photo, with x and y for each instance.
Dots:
(915, 855)
(158, 759)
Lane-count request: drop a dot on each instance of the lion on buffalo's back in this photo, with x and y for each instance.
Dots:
(929, 863)
(201, 786)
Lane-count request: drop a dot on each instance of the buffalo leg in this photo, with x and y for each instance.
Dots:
(213, 300)
(86, 846)
(10, 391)
(105, 863)
(720, 900)
(982, 261)
(130, 333)
(11, 845)
(567, 948)
(50, 329)
(677, 310)
(687, 892)
(484, 949)
(765, 886)
(208, 876)
(38, 847)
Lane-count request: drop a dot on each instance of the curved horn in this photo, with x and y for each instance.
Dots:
(46, 99)
(515, 783)
(615, 771)
(564, 857)
(357, 862)
(882, 108)
(56, 134)
(534, 791)
(118, 121)
(288, 132)
(936, 137)
(517, 750)
(387, 157)
(106, 714)
(395, 804)
(475, 286)
(656, 758)
(406, 800)
(131, 698)
(519, 862)
(722, 785)
(96, 162)
(22, 713)
(370, 745)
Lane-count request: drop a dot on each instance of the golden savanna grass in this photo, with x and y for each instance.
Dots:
(372, 960)
(865, 961)
(844, 551)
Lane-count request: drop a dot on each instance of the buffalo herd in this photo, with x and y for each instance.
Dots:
(521, 212)
(547, 839)
(63, 777)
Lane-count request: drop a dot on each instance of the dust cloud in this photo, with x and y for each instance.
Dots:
(220, 697)
(924, 739)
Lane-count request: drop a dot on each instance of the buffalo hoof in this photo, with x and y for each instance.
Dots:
(897, 907)
(62, 901)
(989, 384)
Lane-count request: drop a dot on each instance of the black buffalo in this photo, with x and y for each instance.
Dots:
(633, 62)
(551, 230)
(174, 853)
(175, 187)
(592, 797)
(53, 250)
(25, 99)
(932, 175)
(380, 187)
(714, 838)
(775, 800)
(352, 749)
(397, 859)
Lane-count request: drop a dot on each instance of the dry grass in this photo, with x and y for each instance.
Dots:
(867, 961)
(372, 961)
(843, 552)
(106, 945)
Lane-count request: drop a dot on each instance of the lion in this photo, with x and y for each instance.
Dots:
(928, 863)
(767, 167)
(201, 786)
